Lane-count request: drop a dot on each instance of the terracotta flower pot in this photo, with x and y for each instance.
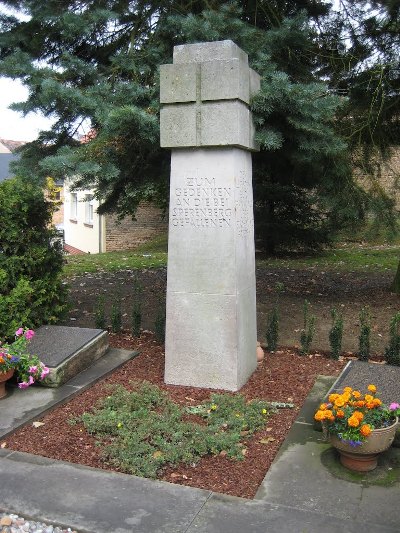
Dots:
(4, 376)
(364, 457)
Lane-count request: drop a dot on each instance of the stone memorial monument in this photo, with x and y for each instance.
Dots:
(211, 302)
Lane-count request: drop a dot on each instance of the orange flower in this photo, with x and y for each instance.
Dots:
(370, 405)
(365, 430)
(368, 398)
(319, 415)
(358, 415)
(356, 394)
(347, 389)
(328, 414)
(340, 413)
(339, 402)
(332, 397)
(377, 402)
(372, 388)
(353, 422)
(360, 403)
(323, 406)
(1, 360)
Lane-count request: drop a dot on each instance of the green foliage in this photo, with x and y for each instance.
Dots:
(392, 352)
(111, 84)
(116, 315)
(159, 325)
(141, 430)
(307, 333)
(272, 333)
(99, 315)
(336, 334)
(31, 260)
(137, 308)
(365, 334)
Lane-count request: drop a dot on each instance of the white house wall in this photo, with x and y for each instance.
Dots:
(78, 232)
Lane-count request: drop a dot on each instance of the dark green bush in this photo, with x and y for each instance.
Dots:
(392, 352)
(31, 259)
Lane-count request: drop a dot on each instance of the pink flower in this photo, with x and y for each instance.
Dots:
(23, 385)
(29, 334)
(19, 332)
(32, 369)
(44, 373)
(393, 406)
(31, 381)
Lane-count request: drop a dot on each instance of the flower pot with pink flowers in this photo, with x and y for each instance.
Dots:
(15, 360)
(359, 426)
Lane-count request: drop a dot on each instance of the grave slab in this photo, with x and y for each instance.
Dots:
(359, 374)
(66, 351)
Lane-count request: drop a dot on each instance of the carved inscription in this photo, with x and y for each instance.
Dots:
(201, 203)
(244, 205)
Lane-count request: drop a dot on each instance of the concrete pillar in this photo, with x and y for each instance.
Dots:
(211, 304)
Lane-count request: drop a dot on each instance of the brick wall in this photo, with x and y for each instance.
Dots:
(386, 175)
(129, 234)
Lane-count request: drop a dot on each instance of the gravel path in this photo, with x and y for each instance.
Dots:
(12, 523)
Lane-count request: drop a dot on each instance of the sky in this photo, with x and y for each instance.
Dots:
(14, 126)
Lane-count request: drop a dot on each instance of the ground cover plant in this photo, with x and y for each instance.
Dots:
(145, 430)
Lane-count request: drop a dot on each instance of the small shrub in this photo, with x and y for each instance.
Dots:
(137, 308)
(143, 430)
(31, 259)
(99, 315)
(272, 334)
(392, 352)
(159, 326)
(365, 334)
(336, 334)
(116, 315)
(308, 331)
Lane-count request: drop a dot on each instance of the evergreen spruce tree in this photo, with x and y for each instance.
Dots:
(96, 64)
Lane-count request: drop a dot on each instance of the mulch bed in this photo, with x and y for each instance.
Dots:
(283, 376)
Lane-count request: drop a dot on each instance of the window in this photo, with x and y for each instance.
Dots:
(89, 209)
(74, 206)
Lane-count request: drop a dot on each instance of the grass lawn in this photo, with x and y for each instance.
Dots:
(154, 254)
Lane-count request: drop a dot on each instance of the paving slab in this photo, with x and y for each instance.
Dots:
(94, 500)
(300, 479)
(222, 514)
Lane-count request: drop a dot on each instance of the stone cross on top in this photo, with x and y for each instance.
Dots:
(205, 96)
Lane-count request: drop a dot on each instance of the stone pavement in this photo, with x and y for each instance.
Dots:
(305, 491)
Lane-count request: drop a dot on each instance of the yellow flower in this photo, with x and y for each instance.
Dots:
(356, 394)
(347, 389)
(368, 398)
(332, 397)
(213, 407)
(372, 388)
(323, 406)
(264, 411)
(119, 425)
